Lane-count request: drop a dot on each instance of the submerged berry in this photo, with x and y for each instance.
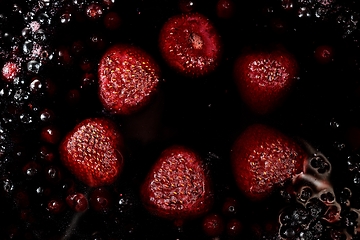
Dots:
(128, 78)
(190, 44)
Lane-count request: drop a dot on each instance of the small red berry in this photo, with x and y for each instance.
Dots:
(324, 54)
(213, 225)
(50, 134)
(234, 227)
(225, 8)
(92, 152)
(94, 11)
(128, 78)
(190, 44)
(77, 202)
(55, 206)
(100, 200)
(112, 21)
(186, 6)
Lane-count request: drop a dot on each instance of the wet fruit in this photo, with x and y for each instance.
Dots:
(263, 158)
(265, 78)
(177, 187)
(128, 78)
(92, 152)
(190, 44)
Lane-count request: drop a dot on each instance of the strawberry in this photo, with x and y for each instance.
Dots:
(92, 152)
(263, 158)
(128, 78)
(190, 44)
(177, 187)
(265, 78)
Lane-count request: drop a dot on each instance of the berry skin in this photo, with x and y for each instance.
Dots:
(264, 79)
(177, 187)
(190, 44)
(263, 158)
(92, 152)
(128, 78)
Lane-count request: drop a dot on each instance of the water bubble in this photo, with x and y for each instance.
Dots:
(43, 18)
(334, 124)
(8, 185)
(305, 194)
(287, 4)
(29, 16)
(25, 118)
(35, 85)
(28, 47)
(304, 12)
(26, 32)
(288, 232)
(40, 35)
(65, 18)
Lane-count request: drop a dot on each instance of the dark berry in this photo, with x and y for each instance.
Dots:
(234, 227)
(112, 21)
(213, 225)
(77, 201)
(100, 200)
(225, 8)
(50, 134)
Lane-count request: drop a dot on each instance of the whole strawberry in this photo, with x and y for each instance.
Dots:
(263, 158)
(177, 187)
(92, 152)
(265, 78)
(190, 44)
(128, 78)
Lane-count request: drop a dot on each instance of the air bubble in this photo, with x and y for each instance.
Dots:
(29, 16)
(287, 4)
(28, 47)
(320, 165)
(288, 232)
(26, 32)
(65, 18)
(40, 35)
(327, 197)
(8, 185)
(334, 124)
(304, 12)
(305, 194)
(25, 118)
(33, 66)
(35, 85)
(43, 18)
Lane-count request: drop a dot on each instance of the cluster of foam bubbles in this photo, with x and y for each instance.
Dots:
(318, 212)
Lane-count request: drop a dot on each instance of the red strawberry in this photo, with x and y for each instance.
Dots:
(263, 158)
(190, 44)
(91, 151)
(128, 78)
(265, 78)
(177, 187)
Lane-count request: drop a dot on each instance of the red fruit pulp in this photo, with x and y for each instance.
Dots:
(262, 158)
(92, 152)
(177, 187)
(190, 44)
(265, 78)
(128, 78)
